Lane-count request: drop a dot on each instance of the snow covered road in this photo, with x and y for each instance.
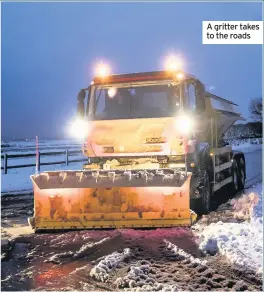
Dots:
(138, 260)
(254, 167)
(222, 251)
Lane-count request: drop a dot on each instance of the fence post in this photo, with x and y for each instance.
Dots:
(5, 163)
(67, 157)
(38, 161)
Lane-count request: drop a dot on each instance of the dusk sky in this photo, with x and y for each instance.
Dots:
(49, 51)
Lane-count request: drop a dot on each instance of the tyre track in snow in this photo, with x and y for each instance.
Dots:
(29, 262)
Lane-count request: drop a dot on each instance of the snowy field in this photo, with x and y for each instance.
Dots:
(20, 182)
(29, 146)
(18, 179)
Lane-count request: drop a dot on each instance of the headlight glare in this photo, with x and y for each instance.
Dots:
(79, 128)
(184, 124)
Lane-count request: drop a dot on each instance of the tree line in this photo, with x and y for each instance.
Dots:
(251, 129)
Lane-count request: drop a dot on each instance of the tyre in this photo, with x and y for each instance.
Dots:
(202, 205)
(235, 175)
(242, 174)
(206, 193)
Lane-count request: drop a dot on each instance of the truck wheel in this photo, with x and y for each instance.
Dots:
(202, 205)
(206, 193)
(235, 174)
(242, 175)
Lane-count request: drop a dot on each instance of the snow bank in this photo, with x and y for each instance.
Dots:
(241, 243)
(246, 206)
(238, 242)
(257, 214)
(107, 264)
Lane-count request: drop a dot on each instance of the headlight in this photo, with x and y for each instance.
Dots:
(184, 124)
(79, 129)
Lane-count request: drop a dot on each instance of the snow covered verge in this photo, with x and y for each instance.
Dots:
(20, 182)
(13, 146)
(241, 242)
(246, 146)
(18, 179)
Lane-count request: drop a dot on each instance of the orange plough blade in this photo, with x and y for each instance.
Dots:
(111, 199)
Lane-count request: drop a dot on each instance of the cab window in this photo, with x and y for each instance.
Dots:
(190, 102)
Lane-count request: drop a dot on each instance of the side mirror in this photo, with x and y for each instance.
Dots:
(80, 104)
(200, 97)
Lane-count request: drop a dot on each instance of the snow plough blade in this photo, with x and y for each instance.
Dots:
(111, 199)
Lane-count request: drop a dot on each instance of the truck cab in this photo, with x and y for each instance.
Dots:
(143, 114)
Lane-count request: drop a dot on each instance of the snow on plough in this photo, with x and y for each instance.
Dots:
(155, 155)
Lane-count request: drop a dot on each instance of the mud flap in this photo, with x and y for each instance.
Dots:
(111, 199)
